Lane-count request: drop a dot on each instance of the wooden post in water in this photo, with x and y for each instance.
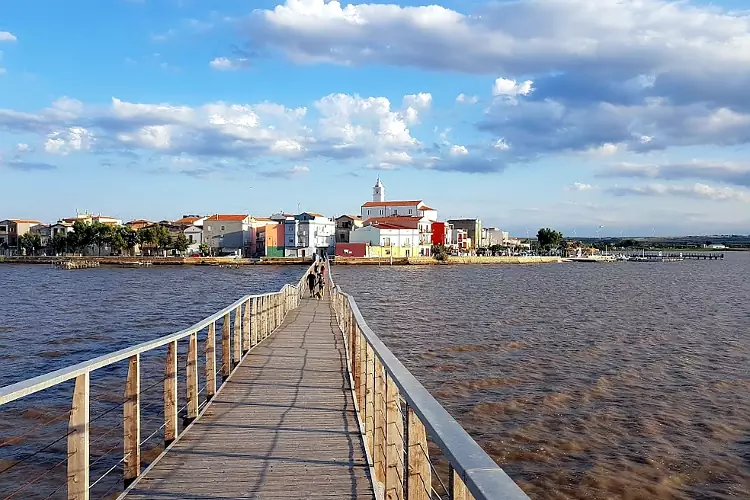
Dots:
(394, 479)
(132, 422)
(170, 395)
(237, 341)
(246, 328)
(380, 444)
(420, 480)
(226, 354)
(78, 441)
(191, 378)
(211, 361)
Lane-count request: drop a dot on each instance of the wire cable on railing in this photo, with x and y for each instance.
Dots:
(24, 459)
(31, 431)
(37, 478)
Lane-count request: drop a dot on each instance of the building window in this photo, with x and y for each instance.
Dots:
(368, 211)
(191, 239)
(222, 228)
(410, 211)
(381, 212)
(395, 211)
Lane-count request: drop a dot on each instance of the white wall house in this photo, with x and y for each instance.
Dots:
(194, 234)
(379, 207)
(385, 235)
(308, 234)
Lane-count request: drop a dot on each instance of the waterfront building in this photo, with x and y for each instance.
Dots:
(442, 234)
(44, 231)
(89, 218)
(422, 224)
(192, 227)
(308, 234)
(255, 224)
(493, 236)
(227, 234)
(269, 240)
(473, 228)
(379, 207)
(137, 224)
(385, 240)
(345, 224)
(11, 230)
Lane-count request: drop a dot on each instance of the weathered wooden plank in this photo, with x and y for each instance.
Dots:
(78, 441)
(132, 422)
(283, 426)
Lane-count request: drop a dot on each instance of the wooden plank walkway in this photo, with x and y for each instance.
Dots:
(283, 426)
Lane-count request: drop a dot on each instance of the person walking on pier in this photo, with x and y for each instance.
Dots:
(312, 280)
(321, 285)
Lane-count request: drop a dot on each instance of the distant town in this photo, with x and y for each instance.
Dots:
(382, 229)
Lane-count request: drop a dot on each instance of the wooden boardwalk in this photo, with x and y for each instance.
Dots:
(283, 426)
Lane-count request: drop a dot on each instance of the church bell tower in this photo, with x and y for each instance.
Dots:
(378, 191)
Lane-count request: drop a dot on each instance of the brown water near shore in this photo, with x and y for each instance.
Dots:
(583, 381)
(624, 380)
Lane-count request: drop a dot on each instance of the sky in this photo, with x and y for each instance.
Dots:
(614, 117)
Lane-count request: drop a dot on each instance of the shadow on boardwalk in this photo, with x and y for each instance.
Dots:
(284, 425)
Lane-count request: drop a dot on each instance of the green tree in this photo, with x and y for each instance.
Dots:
(84, 235)
(116, 239)
(440, 253)
(548, 238)
(204, 249)
(30, 242)
(58, 243)
(181, 243)
(147, 235)
(162, 238)
(101, 234)
(130, 236)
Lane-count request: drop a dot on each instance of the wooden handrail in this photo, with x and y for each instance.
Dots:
(380, 381)
(263, 313)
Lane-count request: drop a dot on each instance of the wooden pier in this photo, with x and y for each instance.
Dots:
(304, 401)
(674, 256)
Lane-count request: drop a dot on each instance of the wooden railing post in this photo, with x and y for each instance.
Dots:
(191, 378)
(237, 341)
(363, 365)
(132, 422)
(352, 349)
(254, 322)
(379, 456)
(226, 354)
(246, 328)
(211, 361)
(170, 395)
(394, 479)
(370, 401)
(78, 441)
(459, 491)
(420, 480)
(266, 316)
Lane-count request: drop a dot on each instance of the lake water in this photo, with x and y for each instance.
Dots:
(586, 381)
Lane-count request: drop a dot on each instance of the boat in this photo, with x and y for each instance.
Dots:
(592, 258)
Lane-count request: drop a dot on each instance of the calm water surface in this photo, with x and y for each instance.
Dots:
(586, 381)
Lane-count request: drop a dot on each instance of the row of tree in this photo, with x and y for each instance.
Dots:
(118, 238)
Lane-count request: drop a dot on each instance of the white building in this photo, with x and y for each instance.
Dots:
(379, 207)
(227, 233)
(494, 236)
(308, 234)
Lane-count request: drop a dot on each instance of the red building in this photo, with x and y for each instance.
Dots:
(440, 233)
(351, 249)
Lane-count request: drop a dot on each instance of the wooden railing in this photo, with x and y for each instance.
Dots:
(245, 323)
(397, 415)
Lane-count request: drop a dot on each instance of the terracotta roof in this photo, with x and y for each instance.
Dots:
(403, 221)
(228, 217)
(24, 221)
(139, 221)
(389, 226)
(186, 220)
(425, 207)
(391, 203)
(313, 214)
(355, 217)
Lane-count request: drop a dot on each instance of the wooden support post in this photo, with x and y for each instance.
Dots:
(266, 316)
(353, 333)
(420, 480)
(211, 361)
(363, 378)
(246, 328)
(237, 341)
(191, 378)
(132, 422)
(170, 395)
(394, 479)
(78, 441)
(356, 368)
(226, 354)
(254, 322)
(380, 444)
(370, 401)
(459, 491)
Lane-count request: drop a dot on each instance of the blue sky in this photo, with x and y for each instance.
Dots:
(572, 114)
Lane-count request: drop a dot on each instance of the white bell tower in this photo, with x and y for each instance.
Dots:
(378, 191)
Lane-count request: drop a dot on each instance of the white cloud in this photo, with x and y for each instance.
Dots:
(510, 88)
(697, 190)
(501, 145)
(468, 99)
(457, 150)
(73, 139)
(736, 173)
(22, 148)
(6, 36)
(290, 173)
(579, 186)
(226, 64)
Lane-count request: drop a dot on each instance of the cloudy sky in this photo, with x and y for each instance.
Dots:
(628, 114)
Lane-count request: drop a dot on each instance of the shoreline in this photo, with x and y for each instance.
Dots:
(295, 261)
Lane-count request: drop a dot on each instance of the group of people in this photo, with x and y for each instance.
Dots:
(316, 280)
